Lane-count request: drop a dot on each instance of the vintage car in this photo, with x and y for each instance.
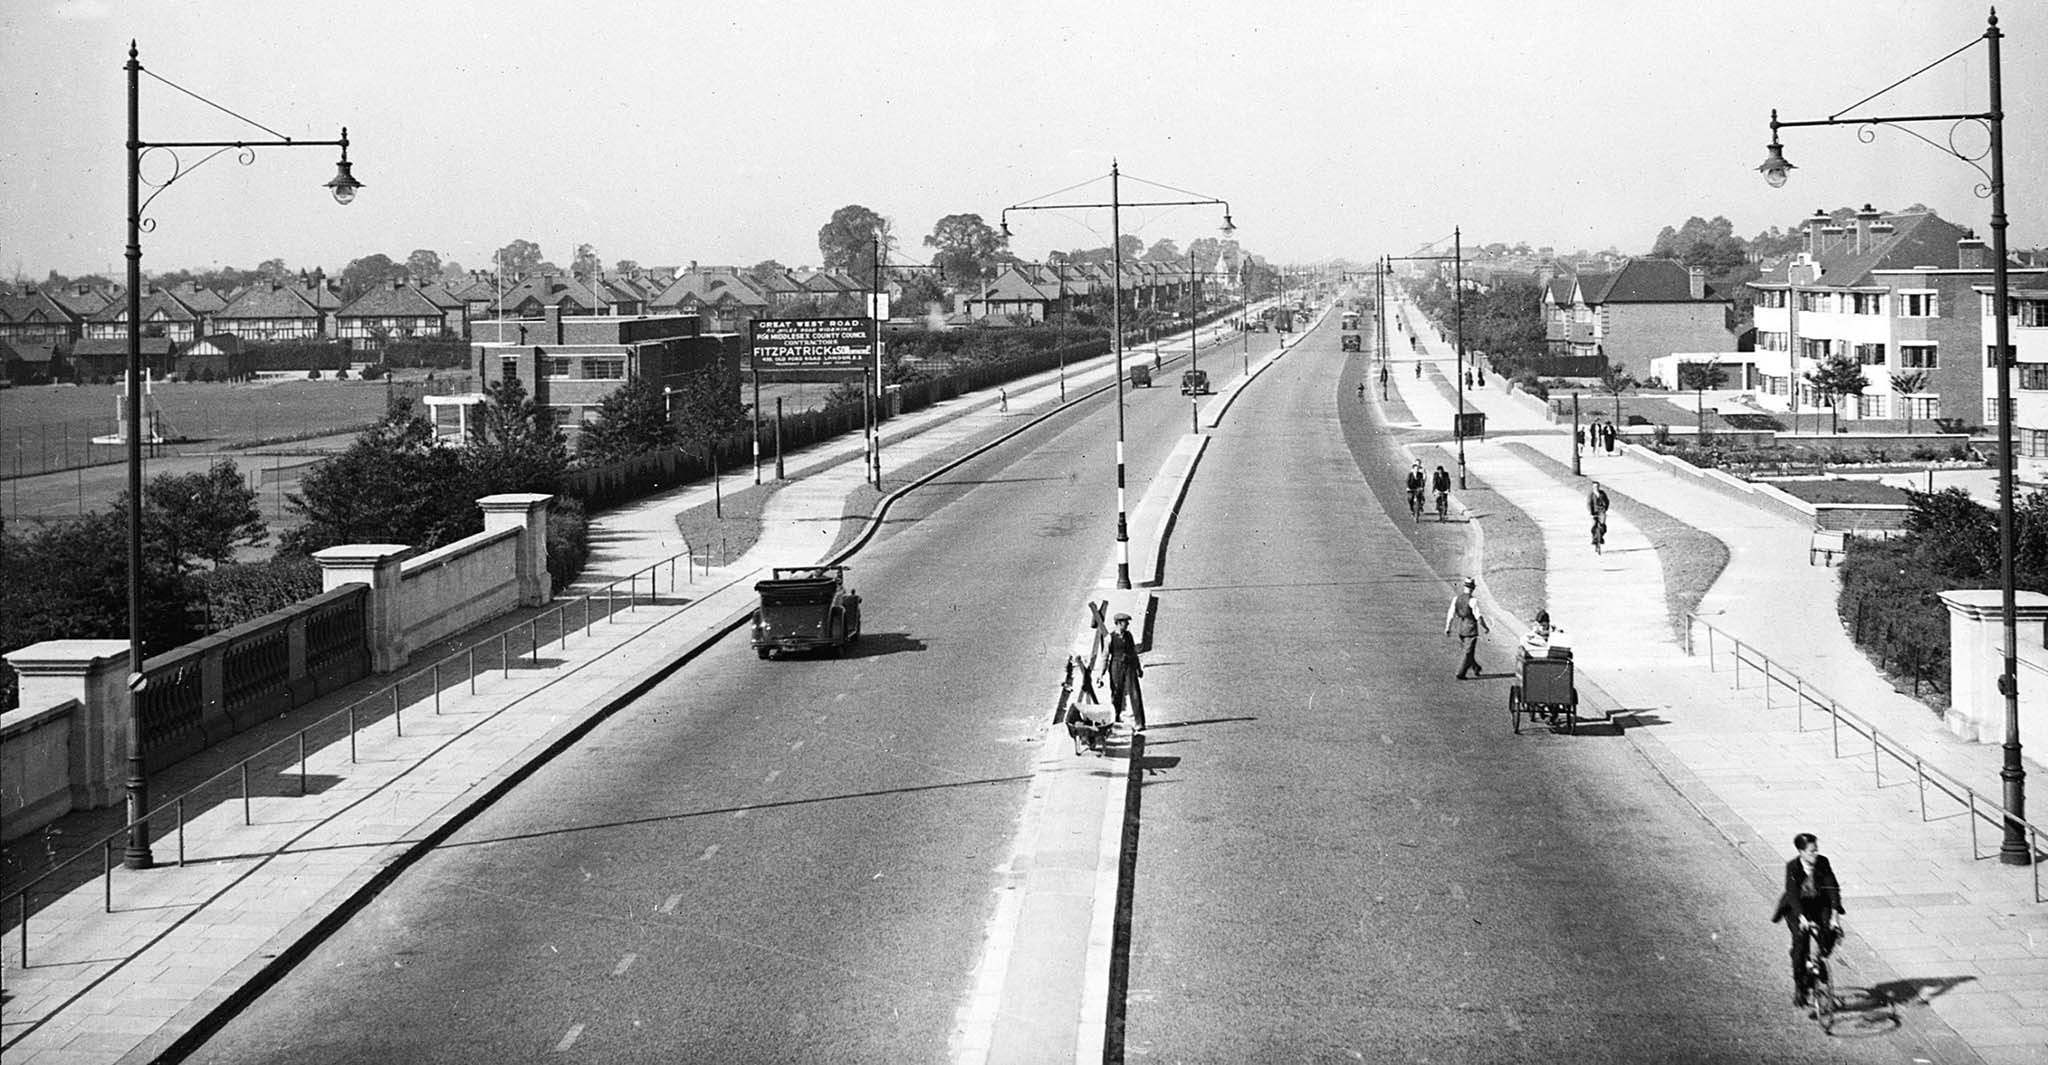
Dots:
(1194, 383)
(1141, 376)
(1354, 343)
(805, 608)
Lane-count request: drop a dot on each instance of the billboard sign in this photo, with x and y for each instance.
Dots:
(813, 343)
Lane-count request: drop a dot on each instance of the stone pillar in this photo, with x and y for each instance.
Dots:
(375, 565)
(527, 512)
(94, 672)
(1976, 645)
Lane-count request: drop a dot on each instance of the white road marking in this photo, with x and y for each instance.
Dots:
(708, 852)
(770, 778)
(671, 904)
(569, 1039)
(624, 964)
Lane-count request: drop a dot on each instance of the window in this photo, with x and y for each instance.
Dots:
(1924, 408)
(2034, 443)
(1771, 297)
(1870, 354)
(558, 367)
(1991, 410)
(1816, 350)
(1809, 301)
(2032, 314)
(1870, 406)
(1924, 304)
(1991, 356)
(508, 368)
(1866, 303)
(2034, 376)
(1916, 357)
(612, 368)
(1773, 341)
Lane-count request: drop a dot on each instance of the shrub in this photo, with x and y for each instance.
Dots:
(239, 593)
(1528, 382)
(312, 375)
(374, 371)
(568, 542)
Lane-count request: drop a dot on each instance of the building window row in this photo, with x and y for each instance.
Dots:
(2033, 443)
(1870, 406)
(2033, 376)
(1865, 303)
(1919, 304)
(1772, 297)
(1870, 355)
(1771, 340)
(2027, 313)
(1991, 356)
(1917, 357)
(1991, 410)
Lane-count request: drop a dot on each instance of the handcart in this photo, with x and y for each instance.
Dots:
(1547, 691)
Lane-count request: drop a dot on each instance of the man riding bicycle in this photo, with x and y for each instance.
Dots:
(1440, 482)
(1416, 483)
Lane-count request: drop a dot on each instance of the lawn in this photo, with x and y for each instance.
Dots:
(1835, 491)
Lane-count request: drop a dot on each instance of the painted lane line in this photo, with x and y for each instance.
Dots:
(671, 904)
(569, 1039)
(708, 852)
(624, 964)
(770, 778)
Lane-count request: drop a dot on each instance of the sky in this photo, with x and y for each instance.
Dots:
(728, 133)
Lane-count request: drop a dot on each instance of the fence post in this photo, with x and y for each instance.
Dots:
(107, 874)
(1876, 759)
(397, 712)
(181, 832)
(1799, 704)
(302, 763)
(437, 689)
(246, 818)
(351, 733)
(1920, 781)
(1835, 726)
(472, 669)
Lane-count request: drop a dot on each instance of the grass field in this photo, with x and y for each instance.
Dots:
(47, 428)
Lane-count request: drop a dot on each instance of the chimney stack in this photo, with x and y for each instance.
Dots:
(1696, 282)
(551, 317)
(1813, 228)
(1865, 218)
(1970, 252)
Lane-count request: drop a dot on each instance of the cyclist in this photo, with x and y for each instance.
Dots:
(1440, 483)
(1812, 897)
(1416, 483)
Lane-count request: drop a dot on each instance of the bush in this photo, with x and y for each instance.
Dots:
(568, 542)
(312, 375)
(1528, 382)
(375, 371)
(239, 593)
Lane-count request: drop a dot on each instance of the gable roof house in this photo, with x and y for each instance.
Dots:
(722, 299)
(781, 289)
(28, 362)
(393, 310)
(162, 316)
(531, 297)
(454, 309)
(279, 310)
(95, 360)
(35, 317)
(1012, 295)
(1899, 293)
(1647, 309)
(478, 292)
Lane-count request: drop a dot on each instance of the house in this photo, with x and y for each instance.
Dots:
(479, 293)
(1645, 309)
(781, 289)
(393, 310)
(281, 310)
(162, 316)
(1013, 295)
(570, 363)
(220, 357)
(28, 362)
(1899, 293)
(37, 318)
(454, 309)
(97, 360)
(2026, 306)
(721, 298)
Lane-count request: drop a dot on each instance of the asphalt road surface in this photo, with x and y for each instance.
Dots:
(786, 861)
(1344, 854)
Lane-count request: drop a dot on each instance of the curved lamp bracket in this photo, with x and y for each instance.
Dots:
(245, 154)
(1867, 132)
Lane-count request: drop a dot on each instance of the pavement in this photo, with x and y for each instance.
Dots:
(1938, 925)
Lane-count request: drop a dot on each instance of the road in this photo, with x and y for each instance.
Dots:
(1346, 855)
(759, 861)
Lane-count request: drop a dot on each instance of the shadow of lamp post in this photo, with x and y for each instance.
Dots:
(2014, 848)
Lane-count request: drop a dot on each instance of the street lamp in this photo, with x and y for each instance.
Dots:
(1457, 259)
(1116, 205)
(343, 186)
(2014, 849)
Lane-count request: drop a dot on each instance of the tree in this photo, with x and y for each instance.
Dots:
(921, 293)
(424, 264)
(274, 270)
(626, 266)
(69, 580)
(1905, 384)
(1701, 376)
(1207, 252)
(514, 444)
(966, 245)
(1615, 381)
(393, 485)
(368, 273)
(1164, 250)
(586, 263)
(1133, 247)
(193, 517)
(632, 420)
(519, 259)
(847, 242)
(1838, 376)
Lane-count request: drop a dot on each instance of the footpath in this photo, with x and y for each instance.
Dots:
(134, 966)
(1936, 922)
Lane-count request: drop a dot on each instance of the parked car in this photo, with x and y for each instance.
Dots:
(805, 608)
(1194, 383)
(1141, 376)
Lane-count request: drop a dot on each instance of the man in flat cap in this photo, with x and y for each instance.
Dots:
(1466, 623)
(1124, 671)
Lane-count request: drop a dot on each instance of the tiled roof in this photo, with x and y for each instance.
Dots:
(103, 348)
(32, 354)
(80, 304)
(1011, 286)
(386, 301)
(711, 285)
(1920, 239)
(156, 307)
(33, 307)
(199, 299)
(269, 301)
(551, 290)
(1650, 281)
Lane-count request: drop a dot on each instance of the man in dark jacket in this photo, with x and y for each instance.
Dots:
(1124, 671)
(1811, 894)
(1465, 623)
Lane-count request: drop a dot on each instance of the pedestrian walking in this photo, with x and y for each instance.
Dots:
(1005, 394)
(1466, 624)
(1124, 673)
(1813, 896)
(1361, 391)
(1607, 436)
(1596, 505)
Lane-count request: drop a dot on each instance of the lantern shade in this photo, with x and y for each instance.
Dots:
(1775, 167)
(343, 184)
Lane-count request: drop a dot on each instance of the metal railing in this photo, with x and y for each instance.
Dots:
(552, 626)
(1804, 696)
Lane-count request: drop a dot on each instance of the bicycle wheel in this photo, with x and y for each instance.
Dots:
(1822, 994)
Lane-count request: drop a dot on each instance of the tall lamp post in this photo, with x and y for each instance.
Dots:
(1116, 205)
(2014, 849)
(136, 853)
(1457, 261)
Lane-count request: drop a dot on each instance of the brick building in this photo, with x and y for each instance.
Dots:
(570, 363)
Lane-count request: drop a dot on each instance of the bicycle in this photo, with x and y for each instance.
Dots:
(1415, 504)
(1821, 998)
(1443, 506)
